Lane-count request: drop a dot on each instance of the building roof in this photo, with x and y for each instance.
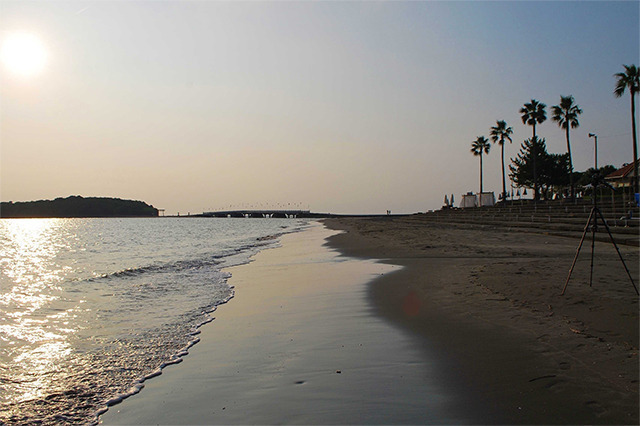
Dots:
(623, 172)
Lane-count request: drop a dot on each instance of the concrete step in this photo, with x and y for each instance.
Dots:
(612, 221)
(622, 235)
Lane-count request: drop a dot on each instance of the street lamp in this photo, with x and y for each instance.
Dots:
(593, 135)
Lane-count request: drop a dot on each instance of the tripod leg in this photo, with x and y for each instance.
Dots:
(586, 228)
(618, 250)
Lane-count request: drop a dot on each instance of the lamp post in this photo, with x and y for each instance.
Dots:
(593, 135)
(595, 138)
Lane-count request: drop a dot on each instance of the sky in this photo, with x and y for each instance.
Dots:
(341, 107)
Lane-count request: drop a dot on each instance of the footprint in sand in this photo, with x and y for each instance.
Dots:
(548, 376)
(542, 337)
(598, 409)
(549, 380)
(553, 383)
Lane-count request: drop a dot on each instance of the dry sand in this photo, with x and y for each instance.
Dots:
(513, 349)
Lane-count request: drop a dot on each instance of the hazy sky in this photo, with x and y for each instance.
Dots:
(345, 107)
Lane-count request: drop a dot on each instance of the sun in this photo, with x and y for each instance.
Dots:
(23, 54)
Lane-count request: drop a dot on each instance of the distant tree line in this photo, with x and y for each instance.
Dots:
(548, 174)
(76, 206)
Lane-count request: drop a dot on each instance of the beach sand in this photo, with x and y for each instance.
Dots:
(515, 350)
(469, 330)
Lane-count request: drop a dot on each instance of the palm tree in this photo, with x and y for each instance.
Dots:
(480, 145)
(499, 133)
(534, 113)
(630, 79)
(566, 115)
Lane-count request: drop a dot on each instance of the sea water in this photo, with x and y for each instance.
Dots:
(91, 308)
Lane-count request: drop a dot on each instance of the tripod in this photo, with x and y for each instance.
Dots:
(593, 217)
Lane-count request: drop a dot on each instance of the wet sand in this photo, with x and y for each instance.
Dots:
(300, 344)
(513, 350)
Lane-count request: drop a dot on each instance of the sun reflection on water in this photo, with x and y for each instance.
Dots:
(88, 307)
(34, 322)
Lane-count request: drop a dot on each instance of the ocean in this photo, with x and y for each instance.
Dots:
(91, 308)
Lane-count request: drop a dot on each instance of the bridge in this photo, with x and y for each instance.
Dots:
(248, 213)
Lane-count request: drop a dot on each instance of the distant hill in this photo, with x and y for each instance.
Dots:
(76, 206)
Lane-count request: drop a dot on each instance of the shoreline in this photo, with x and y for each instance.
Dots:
(468, 329)
(298, 344)
(515, 351)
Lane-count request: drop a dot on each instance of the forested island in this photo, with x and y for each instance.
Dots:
(77, 206)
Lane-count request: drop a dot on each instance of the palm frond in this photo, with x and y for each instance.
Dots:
(621, 86)
(566, 113)
(533, 112)
(480, 145)
(629, 79)
(500, 132)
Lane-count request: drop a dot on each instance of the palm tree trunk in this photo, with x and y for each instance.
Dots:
(570, 164)
(480, 175)
(535, 171)
(504, 183)
(535, 174)
(635, 144)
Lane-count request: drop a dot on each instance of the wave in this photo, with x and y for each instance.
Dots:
(187, 264)
(176, 358)
(167, 267)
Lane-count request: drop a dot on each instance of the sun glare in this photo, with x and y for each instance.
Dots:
(23, 54)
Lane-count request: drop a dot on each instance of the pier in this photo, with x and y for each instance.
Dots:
(248, 213)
